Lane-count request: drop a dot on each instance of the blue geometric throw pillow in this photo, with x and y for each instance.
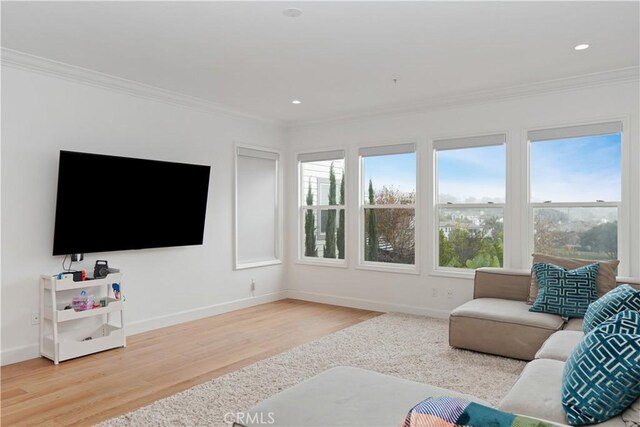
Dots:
(565, 292)
(621, 298)
(602, 375)
(625, 322)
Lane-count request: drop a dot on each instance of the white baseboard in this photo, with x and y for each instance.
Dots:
(366, 304)
(19, 354)
(145, 325)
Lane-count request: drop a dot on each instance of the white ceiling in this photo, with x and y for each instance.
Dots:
(338, 57)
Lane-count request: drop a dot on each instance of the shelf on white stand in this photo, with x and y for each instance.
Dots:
(58, 344)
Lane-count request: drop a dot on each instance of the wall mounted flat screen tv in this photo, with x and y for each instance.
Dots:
(109, 203)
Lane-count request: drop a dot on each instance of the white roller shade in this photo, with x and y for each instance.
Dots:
(575, 131)
(256, 191)
(321, 155)
(258, 154)
(387, 150)
(469, 142)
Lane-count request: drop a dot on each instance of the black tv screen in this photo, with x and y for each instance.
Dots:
(109, 203)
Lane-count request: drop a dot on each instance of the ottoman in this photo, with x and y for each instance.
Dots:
(344, 396)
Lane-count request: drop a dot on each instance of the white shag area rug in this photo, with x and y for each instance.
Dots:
(411, 347)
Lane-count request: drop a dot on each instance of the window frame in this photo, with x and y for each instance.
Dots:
(302, 208)
(278, 226)
(384, 266)
(466, 142)
(321, 183)
(622, 205)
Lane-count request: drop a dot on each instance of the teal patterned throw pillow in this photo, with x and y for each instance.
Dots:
(613, 302)
(567, 293)
(602, 375)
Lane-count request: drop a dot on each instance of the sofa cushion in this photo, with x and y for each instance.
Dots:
(502, 327)
(565, 292)
(574, 324)
(602, 376)
(606, 273)
(560, 345)
(345, 396)
(507, 311)
(492, 282)
(622, 298)
(538, 393)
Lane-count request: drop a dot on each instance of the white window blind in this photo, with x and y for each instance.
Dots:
(594, 129)
(258, 154)
(256, 206)
(469, 142)
(386, 150)
(321, 155)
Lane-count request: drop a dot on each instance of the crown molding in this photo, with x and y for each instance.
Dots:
(605, 78)
(24, 61)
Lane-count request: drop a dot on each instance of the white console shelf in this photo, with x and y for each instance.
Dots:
(67, 334)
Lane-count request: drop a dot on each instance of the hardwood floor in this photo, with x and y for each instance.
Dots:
(160, 363)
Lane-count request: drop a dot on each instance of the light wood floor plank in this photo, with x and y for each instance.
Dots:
(160, 363)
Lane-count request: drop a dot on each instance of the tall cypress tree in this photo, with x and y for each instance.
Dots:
(372, 228)
(330, 241)
(310, 227)
(340, 231)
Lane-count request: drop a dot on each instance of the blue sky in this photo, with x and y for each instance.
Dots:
(566, 170)
(397, 171)
(472, 174)
(576, 170)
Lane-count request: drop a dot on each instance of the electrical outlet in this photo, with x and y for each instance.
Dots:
(35, 318)
(434, 292)
(450, 293)
(253, 285)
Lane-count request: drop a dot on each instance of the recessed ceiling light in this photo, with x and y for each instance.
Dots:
(292, 12)
(296, 101)
(582, 46)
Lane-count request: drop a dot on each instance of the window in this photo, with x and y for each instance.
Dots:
(575, 190)
(470, 197)
(388, 205)
(322, 212)
(257, 181)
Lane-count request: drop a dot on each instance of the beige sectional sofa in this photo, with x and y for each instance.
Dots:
(346, 396)
(498, 320)
(538, 390)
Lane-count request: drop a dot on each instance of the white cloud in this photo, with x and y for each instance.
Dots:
(464, 191)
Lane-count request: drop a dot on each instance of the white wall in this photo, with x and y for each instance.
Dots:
(41, 115)
(414, 293)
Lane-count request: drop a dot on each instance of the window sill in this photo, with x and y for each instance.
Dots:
(322, 262)
(247, 265)
(457, 273)
(389, 268)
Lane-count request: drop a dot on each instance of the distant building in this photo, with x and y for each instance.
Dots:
(448, 226)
